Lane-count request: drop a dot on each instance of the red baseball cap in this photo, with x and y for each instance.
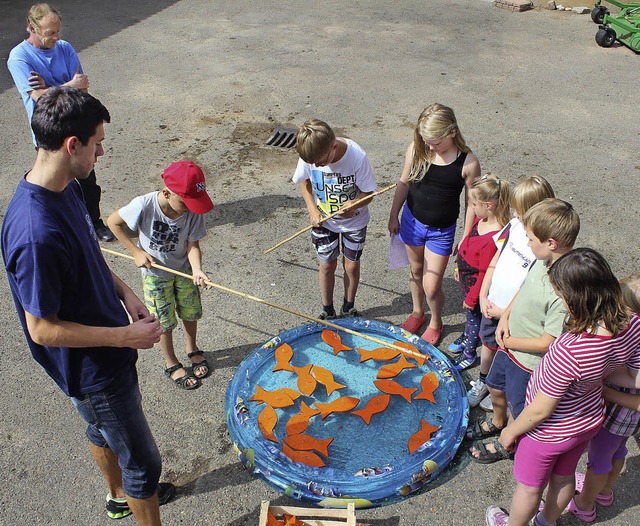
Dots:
(186, 179)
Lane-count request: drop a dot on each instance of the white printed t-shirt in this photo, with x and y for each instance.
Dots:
(339, 182)
(161, 237)
(512, 266)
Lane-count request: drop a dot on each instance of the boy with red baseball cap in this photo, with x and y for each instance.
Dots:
(169, 225)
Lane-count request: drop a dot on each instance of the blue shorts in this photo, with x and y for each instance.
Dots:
(414, 233)
(488, 328)
(506, 375)
(116, 421)
(327, 244)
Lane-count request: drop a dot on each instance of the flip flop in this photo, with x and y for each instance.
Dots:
(412, 324)
(603, 500)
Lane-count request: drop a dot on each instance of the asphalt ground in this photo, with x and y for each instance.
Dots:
(209, 81)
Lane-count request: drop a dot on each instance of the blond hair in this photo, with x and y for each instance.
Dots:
(435, 122)
(38, 11)
(553, 218)
(631, 292)
(491, 188)
(528, 192)
(314, 139)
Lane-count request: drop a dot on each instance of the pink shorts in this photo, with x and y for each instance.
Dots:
(536, 461)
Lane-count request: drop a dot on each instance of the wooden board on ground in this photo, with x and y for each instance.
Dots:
(311, 516)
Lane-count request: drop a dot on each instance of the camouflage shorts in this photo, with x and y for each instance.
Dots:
(166, 297)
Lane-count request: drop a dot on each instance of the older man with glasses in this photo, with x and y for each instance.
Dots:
(43, 61)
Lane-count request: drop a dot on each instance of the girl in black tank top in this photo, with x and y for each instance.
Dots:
(432, 195)
(435, 199)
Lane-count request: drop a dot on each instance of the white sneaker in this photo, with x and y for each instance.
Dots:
(486, 404)
(477, 393)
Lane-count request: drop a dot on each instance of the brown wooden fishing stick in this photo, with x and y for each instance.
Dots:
(305, 229)
(419, 356)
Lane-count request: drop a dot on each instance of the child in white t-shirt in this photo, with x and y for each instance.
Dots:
(505, 275)
(331, 173)
(169, 225)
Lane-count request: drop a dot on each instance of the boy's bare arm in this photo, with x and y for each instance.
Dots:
(118, 226)
(538, 345)
(350, 207)
(502, 330)
(194, 254)
(628, 400)
(307, 195)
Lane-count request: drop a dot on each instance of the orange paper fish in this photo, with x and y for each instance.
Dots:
(429, 384)
(376, 405)
(422, 436)
(267, 420)
(272, 520)
(339, 405)
(381, 354)
(420, 358)
(391, 370)
(308, 443)
(325, 377)
(292, 520)
(306, 382)
(305, 457)
(393, 387)
(283, 356)
(299, 422)
(279, 398)
(333, 339)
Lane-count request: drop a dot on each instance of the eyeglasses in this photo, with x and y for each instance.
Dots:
(329, 154)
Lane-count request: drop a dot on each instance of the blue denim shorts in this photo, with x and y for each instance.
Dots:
(115, 420)
(506, 375)
(488, 328)
(414, 233)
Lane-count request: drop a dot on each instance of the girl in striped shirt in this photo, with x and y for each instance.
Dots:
(565, 408)
(608, 449)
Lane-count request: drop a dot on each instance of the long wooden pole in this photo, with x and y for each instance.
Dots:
(305, 229)
(335, 326)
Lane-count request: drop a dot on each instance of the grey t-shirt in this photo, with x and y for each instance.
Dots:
(161, 237)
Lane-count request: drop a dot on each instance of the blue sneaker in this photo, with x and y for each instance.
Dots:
(458, 344)
(462, 362)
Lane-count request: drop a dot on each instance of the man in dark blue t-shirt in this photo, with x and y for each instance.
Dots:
(70, 304)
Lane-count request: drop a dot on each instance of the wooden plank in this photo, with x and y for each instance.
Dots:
(312, 516)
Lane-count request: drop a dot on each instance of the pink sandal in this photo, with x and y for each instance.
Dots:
(412, 324)
(603, 500)
(432, 335)
(586, 516)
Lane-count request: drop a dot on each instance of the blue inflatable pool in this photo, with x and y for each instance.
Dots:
(339, 457)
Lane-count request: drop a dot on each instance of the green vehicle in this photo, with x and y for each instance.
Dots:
(623, 27)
